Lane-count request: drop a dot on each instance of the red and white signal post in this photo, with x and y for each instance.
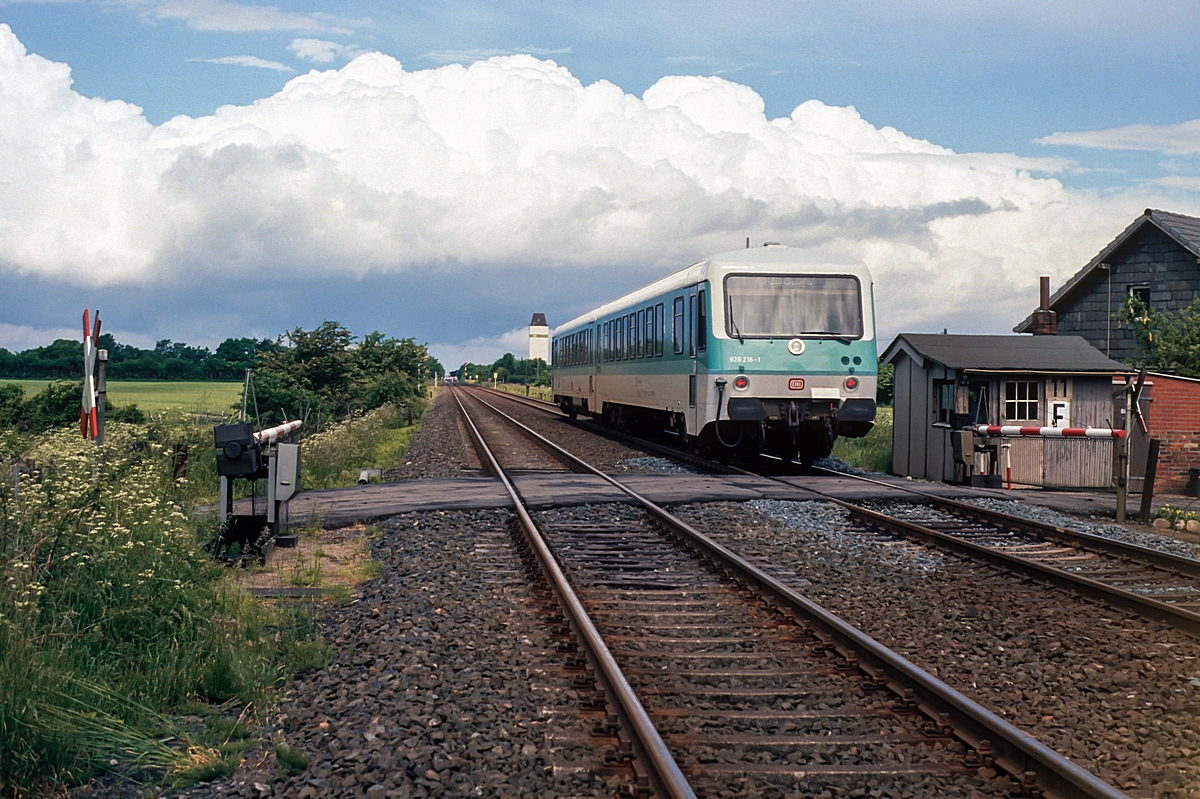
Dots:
(95, 368)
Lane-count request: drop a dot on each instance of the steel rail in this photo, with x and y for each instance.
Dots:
(625, 438)
(1146, 607)
(1163, 560)
(1015, 751)
(648, 745)
(1181, 618)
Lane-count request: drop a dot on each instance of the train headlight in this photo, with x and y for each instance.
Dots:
(741, 382)
(796, 346)
(851, 383)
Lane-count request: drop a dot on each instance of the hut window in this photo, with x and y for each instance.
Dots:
(1021, 400)
(943, 401)
(1141, 294)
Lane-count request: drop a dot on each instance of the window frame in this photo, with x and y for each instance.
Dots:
(944, 396)
(1018, 403)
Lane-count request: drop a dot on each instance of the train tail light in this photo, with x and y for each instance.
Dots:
(851, 383)
(741, 382)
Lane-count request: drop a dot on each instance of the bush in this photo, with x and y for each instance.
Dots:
(110, 612)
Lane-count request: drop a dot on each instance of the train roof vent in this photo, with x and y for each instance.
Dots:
(772, 244)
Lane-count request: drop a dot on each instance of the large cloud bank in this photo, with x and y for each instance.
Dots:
(513, 161)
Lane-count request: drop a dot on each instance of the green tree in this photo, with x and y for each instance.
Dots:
(1168, 341)
(886, 387)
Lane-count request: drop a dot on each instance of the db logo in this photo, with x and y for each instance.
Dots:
(796, 384)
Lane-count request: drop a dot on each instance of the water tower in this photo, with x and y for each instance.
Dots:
(539, 338)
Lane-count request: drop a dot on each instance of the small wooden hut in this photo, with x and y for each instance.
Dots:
(945, 382)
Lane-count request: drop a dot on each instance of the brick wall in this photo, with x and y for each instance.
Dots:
(1175, 422)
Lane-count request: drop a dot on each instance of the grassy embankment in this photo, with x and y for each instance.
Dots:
(873, 451)
(154, 396)
(114, 623)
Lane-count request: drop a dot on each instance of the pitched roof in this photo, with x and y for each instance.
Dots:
(1185, 230)
(1060, 354)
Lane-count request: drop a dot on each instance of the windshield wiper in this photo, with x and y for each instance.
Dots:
(842, 337)
(736, 332)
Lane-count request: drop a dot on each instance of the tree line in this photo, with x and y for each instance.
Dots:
(169, 360)
(508, 369)
(323, 375)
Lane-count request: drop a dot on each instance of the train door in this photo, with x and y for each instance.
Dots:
(593, 367)
(695, 388)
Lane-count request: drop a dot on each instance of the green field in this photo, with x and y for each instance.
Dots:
(156, 396)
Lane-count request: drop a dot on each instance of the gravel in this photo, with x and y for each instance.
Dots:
(444, 681)
(1113, 692)
(651, 463)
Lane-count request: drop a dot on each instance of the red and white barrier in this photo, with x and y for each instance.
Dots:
(1048, 432)
(273, 434)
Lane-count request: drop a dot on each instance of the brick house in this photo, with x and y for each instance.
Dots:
(1156, 258)
(1173, 416)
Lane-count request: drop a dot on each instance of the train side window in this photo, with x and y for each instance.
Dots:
(641, 334)
(630, 337)
(620, 338)
(691, 328)
(660, 321)
(648, 333)
(677, 326)
(701, 323)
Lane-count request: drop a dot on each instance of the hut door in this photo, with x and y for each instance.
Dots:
(1021, 404)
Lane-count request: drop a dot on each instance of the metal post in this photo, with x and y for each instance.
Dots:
(1122, 445)
(101, 394)
(246, 395)
(1148, 481)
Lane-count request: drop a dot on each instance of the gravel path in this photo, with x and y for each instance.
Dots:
(1111, 691)
(440, 448)
(444, 682)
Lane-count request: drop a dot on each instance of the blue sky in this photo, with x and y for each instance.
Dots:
(1078, 114)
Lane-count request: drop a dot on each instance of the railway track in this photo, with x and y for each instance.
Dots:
(1153, 584)
(750, 682)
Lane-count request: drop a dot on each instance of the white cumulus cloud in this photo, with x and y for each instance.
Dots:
(1180, 139)
(512, 161)
(246, 61)
(231, 17)
(320, 51)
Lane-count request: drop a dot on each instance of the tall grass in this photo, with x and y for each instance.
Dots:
(537, 392)
(333, 457)
(873, 451)
(111, 613)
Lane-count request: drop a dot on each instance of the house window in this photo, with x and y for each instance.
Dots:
(943, 401)
(1140, 293)
(1021, 401)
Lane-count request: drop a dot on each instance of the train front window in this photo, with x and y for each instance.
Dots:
(785, 306)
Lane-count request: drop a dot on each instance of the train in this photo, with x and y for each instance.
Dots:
(762, 350)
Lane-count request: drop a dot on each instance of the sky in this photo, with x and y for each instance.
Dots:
(200, 169)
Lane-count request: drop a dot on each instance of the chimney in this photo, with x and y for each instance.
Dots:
(1045, 321)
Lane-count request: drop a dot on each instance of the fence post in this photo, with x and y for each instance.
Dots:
(1148, 482)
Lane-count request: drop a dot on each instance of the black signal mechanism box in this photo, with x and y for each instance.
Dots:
(237, 450)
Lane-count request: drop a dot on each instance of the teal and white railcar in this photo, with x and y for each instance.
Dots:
(755, 350)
